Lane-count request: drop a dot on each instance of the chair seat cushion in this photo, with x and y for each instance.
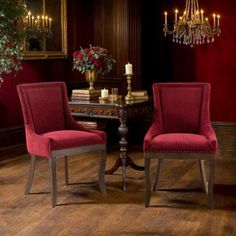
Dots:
(62, 139)
(181, 142)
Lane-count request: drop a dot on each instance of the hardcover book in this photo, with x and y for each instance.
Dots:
(86, 91)
(139, 93)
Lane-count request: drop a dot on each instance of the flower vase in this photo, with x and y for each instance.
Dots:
(91, 77)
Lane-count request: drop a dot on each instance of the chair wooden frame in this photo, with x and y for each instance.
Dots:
(100, 148)
(201, 157)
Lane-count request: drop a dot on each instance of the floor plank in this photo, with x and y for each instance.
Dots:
(179, 208)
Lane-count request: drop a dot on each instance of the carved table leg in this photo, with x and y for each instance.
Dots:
(123, 160)
(114, 168)
(129, 162)
(123, 131)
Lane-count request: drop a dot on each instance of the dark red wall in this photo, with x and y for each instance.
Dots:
(217, 64)
(33, 71)
(161, 59)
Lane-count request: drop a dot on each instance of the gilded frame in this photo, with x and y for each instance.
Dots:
(44, 54)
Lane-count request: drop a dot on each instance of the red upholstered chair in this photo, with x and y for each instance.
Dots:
(181, 129)
(51, 132)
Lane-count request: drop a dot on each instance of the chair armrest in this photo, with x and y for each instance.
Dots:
(37, 144)
(209, 132)
(73, 125)
(151, 133)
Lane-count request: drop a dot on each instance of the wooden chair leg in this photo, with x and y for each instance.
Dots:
(102, 167)
(66, 170)
(211, 184)
(148, 182)
(203, 176)
(31, 174)
(52, 162)
(159, 168)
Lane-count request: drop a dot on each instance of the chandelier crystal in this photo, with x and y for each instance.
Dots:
(192, 27)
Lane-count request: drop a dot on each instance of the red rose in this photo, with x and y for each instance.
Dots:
(95, 49)
(97, 64)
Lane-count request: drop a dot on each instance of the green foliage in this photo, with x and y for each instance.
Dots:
(11, 35)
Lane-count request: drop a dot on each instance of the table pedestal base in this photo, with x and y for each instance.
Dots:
(124, 163)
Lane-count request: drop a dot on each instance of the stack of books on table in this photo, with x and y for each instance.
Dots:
(139, 94)
(85, 95)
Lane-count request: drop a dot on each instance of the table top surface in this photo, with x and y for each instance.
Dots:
(119, 103)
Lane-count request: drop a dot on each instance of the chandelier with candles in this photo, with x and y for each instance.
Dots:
(36, 26)
(193, 27)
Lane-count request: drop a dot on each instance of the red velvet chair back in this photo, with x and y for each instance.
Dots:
(44, 106)
(181, 110)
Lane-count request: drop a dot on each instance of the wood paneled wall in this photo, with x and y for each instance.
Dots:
(117, 27)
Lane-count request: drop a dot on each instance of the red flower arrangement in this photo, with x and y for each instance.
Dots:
(93, 58)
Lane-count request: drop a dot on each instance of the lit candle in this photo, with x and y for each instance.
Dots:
(128, 69)
(176, 15)
(202, 14)
(104, 93)
(165, 13)
(214, 20)
(218, 20)
(197, 15)
(50, 23)
(29, 18)
(38, 20)
(32, 18)
(46, 21)
(43, 21)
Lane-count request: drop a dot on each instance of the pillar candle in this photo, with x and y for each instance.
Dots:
(104, 93)
(128, 69)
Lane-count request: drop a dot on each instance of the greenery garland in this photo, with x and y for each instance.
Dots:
(11, 35)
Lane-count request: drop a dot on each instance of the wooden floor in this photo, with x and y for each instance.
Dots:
(178, 209)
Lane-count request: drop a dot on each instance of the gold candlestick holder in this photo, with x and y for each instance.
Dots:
(129, 96)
